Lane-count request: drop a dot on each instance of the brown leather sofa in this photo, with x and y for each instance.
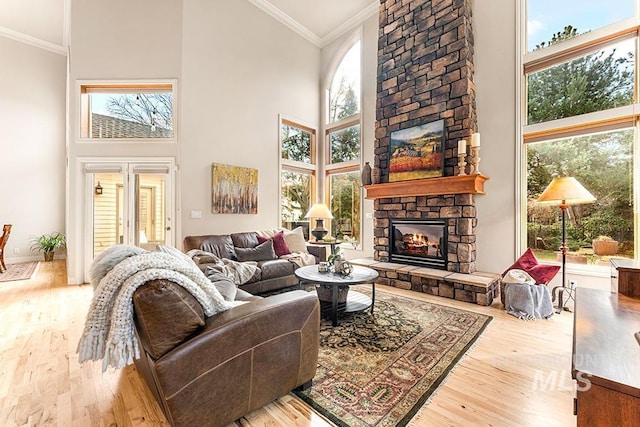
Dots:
(274, 273)
(212, 371)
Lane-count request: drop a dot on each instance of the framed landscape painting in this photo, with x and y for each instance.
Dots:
(234, 189)
(417, 152)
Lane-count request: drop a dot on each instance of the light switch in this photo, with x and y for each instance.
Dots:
(196, 214)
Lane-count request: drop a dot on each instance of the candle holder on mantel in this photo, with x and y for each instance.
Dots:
(462, 164)
(462, 157)
(475, 160)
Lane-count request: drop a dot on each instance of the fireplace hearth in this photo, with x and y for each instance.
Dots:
(421, 242)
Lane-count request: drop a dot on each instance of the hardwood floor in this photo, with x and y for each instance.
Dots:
(517, 374)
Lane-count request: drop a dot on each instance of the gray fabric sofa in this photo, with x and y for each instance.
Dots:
(274, 273)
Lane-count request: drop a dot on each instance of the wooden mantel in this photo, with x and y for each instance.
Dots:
(466, 184)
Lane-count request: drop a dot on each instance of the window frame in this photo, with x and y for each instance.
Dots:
(606, 120)
(84, 87)
(296, 166)
(346, 122)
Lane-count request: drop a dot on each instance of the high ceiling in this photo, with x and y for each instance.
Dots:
(321, 17)
(320, 21)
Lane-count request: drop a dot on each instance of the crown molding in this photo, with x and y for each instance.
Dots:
(287, 20)
(358, 19)
(33, 41)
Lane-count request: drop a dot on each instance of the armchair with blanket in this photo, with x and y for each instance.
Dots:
(207, 355)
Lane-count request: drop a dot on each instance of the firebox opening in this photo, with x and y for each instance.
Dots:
(420, 242)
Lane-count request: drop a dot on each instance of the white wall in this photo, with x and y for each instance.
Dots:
(32, 119)
(240, 70)
(495, 82)
(116, 40)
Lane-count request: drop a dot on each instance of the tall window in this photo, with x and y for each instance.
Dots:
(127, 111)
(580, 120)
(297, 174)
(343, 146)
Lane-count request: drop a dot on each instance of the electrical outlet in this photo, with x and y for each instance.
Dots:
(196, 214)
(16, 250)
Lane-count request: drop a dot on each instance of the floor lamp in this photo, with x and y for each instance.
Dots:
(564, 191)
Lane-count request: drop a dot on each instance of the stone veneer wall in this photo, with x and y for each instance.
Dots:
(458, 210)
(425, 73)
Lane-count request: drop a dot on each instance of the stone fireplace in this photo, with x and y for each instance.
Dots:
(425, 73)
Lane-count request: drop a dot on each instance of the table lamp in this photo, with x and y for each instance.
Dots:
(319, 212)
(564, 191)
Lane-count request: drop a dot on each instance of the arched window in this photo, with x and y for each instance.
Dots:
(343, 145)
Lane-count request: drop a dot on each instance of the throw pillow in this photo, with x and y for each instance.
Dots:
(542, 273)
(264, 251)
(279, 244)
(222, 283)
(270, 232)
(295, 240)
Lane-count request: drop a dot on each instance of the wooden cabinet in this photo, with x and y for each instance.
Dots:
(606, 358)
(625, 277)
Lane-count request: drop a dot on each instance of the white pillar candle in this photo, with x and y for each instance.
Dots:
(462, 146)
(475, 140)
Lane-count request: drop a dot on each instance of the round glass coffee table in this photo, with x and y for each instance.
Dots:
(337, 283)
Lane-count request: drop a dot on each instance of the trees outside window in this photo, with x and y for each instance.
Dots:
(603, 163)
(345, 204)
(580, 121)
(343, 146)
(297, 173)
(597, 81)
(127, 111)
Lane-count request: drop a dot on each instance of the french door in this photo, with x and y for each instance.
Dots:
(129, 203)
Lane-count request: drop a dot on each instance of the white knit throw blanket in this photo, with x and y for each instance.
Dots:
(109, 329)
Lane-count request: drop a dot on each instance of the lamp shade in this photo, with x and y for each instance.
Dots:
(319, 210)
(565, 191)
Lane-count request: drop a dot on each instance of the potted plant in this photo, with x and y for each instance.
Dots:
(334, 256)
(604, 245)
(48, 243)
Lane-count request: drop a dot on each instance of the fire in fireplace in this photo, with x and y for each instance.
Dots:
(420, 242)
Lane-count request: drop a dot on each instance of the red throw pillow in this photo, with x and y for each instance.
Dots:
(543, 273)
(279, 244)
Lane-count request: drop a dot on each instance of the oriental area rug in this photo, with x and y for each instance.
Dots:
(378, 370)
(21, 271)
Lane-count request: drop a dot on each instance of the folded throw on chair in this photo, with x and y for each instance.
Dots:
(527, 301)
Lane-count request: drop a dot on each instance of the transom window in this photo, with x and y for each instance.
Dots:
(127, 111)
(546, 19)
